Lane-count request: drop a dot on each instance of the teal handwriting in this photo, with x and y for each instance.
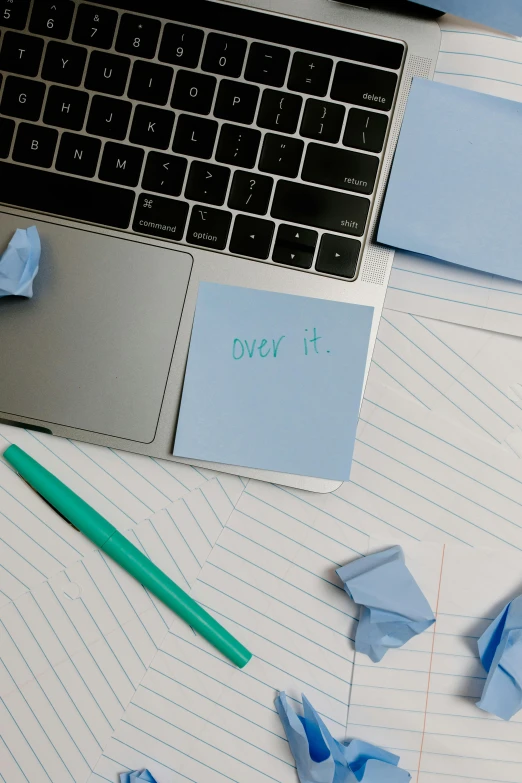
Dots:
(249, 349)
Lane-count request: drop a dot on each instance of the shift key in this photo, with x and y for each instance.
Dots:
(333, 211)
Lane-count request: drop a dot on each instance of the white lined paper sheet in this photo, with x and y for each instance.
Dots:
(486, 61)
(73, 651)
(271, 580)
(420, 700)
(35, 542)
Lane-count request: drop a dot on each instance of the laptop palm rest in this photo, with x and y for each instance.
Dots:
(93, 348)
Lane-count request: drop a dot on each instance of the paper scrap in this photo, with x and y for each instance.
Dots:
(394, 607)
(501, 14)
(454, 191)
(500, 650)
(274, 381)
(322, 759)
(137, 775)
(20, 262)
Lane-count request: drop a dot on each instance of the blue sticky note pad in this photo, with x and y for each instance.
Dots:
(454, 190)
(502, 14)
(273, 381)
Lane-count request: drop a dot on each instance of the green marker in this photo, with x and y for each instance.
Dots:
(85, 519)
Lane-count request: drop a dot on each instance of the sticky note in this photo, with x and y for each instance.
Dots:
(454, 189)
(273, 381)
(394, 608)
(502, 14)
(500, 650)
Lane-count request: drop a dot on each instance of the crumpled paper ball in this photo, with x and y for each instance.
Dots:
(20, 262)
(322, 759)
(137, 776)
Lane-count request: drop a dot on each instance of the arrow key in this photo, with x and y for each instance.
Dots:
(252, 237)
(295, 246)
(164, 173)
(338, 256)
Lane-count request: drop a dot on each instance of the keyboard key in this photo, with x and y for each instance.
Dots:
(150, 83)
(236, 101)
(66, 108)
(267, 64)
(328, 209)
(279, 111)
(295, 246)
(6, 135)
(322, 121)
(121, 163)
(207, 183)
(35, 145)
(340, 168)
(22, 98)
(64, 63)
(13, 13)
(107, 73)
(161, 217)
(181, 45)
(224, 55)
(365, 130)
(250, 192)
(109, 117)
(193, 92)
(252, 237)
(138, 35)
(195, 136)
(95, 26)
(310, 74)
(21, 53)
(238, 146)
(52, 17)
(164, 173)
(338, 256)
(281, 155)
(209, 227)
(364, 86)
(152, 127)
(78, 154)
(82, 199)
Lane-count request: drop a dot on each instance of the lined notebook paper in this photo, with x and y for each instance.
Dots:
(420, 700)
(489, 62)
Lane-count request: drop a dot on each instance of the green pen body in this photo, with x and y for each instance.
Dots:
(122, 551)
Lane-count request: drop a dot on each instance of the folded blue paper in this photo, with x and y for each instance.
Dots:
(322, 759)
(454, 190)
(394, 607)
(19, 263)
(274, 381)
(500, 650)
(501, 14)
(137, 775)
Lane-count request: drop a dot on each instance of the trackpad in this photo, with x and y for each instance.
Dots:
(92, 349)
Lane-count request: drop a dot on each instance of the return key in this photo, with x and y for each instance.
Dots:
(340, 168)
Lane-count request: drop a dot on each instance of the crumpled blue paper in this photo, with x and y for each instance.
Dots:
(322, 759)
(394, 607)
(138, 775)
(19, 263)
(500, 650)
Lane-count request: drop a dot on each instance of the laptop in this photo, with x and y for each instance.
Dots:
(157, 144)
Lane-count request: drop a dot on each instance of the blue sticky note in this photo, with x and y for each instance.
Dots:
(273, 381)
(501, 14)
(500, 650)
(19, 263)
(394, 607)
(320, 758)
(454, 190)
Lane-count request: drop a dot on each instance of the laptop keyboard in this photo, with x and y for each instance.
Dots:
(257, 135)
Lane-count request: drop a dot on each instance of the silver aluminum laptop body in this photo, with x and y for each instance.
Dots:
(98, 354)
